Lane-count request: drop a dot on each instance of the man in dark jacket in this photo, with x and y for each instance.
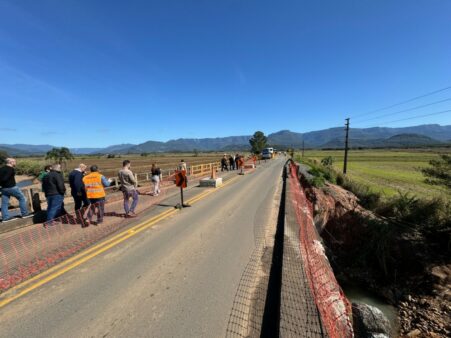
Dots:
(232, 162)
(224, 163)
(237, 160)
(77, 188)
(9, 188)
(54, 189)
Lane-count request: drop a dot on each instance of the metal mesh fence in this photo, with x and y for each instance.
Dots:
(246, 316)
(265, 292)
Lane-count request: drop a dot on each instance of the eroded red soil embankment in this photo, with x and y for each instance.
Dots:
(402, 268)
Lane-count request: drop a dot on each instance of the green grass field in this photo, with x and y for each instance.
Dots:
(387, 171)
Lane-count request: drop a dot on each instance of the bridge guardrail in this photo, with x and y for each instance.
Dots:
(35, 197)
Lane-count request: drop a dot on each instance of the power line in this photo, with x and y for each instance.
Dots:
(403, 102)
(416, 117)
(405, 110)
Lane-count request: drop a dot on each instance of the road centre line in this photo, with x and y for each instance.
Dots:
(73, 262)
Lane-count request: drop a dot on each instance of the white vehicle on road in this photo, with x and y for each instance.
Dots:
(267, 153)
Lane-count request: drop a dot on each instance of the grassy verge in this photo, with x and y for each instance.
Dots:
(404, 214)
(386, 171)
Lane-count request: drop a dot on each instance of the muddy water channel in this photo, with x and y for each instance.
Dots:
(358, 294)
(25, 183)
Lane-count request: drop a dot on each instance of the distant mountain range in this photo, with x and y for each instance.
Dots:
(417, 136)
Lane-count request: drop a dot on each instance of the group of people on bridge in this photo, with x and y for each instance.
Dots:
(233, 162)
(87, 190)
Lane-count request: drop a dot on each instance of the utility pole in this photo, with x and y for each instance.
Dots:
(303, 148)
(345, 164)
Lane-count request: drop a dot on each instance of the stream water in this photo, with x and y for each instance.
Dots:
(357, 294)
(25, 183)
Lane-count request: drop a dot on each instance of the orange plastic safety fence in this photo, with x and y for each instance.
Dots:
(333, 306)
(27, 251)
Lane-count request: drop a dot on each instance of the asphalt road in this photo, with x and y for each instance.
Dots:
(176, 279)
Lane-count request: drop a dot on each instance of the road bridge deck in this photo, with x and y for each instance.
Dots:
(177, 278)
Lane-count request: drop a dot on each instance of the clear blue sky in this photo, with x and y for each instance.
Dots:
(94, 73)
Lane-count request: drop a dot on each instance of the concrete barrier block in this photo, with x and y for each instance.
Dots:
(211, 182)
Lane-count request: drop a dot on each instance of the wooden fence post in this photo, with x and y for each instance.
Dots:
(29, 198)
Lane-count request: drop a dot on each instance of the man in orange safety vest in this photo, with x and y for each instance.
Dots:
(94, 186)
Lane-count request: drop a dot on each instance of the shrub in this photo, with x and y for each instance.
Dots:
(439, 172)
(318, 181)
(406, 211)
(368, 198)
(330, 175)
(3, 157)
(377, 249)
(422, 214)
(399, 206)
(327, 161)
(340, 179)
(29, 167)
(314, 171)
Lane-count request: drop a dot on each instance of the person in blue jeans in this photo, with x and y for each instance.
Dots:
(54, 189)
(9, 188)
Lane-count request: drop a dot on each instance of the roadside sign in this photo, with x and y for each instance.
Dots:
(180, 179)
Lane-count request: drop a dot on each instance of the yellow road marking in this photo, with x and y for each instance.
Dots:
(92, 252)
(85, 252)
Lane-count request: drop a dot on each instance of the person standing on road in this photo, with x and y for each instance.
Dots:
(237, 160)
(43, 173)
(224, 163)
(232, 162)
(77, 188)
(156, 179)
(128, 188)
(254, 159)
(54, 189)
(95, 183)
(182, 165)
(9, 188)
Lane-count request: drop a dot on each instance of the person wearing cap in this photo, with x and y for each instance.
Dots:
(77, 188)
(95, 183)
